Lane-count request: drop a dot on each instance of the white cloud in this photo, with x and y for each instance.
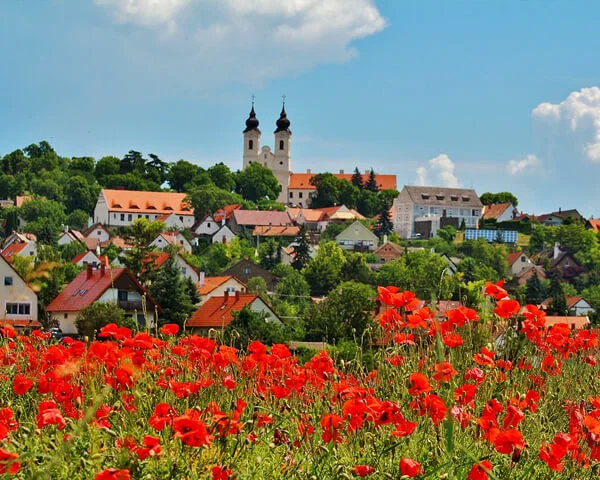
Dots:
(440, 171)
(577, 116)
(248, 41)
(529, 164)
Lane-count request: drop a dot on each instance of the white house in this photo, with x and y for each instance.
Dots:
(98, 232)
(518, 262)
(23, 249)
(172, 221)
(18, 301)
(223, 235)
(501, 212)
(357, 237)
(209, 287)
(117, 286)
(206, 227)
(165, 239)
(119, 208)
(444, 206)
(68, 235)
(90, 258)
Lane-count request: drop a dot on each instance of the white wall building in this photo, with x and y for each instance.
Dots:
(18, 301)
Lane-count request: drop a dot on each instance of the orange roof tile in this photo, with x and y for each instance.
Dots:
(595, 224)
(261, 217)
(226, 211)
(147, 202)
(309, 214)
(7, 322)
(210, 283)
(495, 210)
(21, 199)
(578, 323)
(266, 231)
(13, 249)
(301, 181)
(513, 257)
(217, 312)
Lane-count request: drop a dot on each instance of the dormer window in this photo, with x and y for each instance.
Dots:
(439, 197)
(251, 145)
(454, 198)
(466, 199)
(425, 196)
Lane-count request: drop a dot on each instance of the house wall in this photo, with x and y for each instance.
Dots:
(99, 233)
(186, 269)
(357, 235)
(207, 227)
(520, 265)
(65, 239)
(66, 321)
(223, 232)
(89, 259)
(300, 196)
(161, 242)
(18, 292)
(582, 308)
(261, 307)
(507, 215)
(29, 250)
(173, 222)
(125, 219)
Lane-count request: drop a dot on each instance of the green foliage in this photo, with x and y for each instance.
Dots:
(268, 253)
(355, 268)
(344, 314)
(78, 219)
(535, 293)
(493, 256)
(256, 183)
(95, 316)
(80, 194)
(357, 179)
(139, 235)
(222, 177)
(209, 198)
(447, 233)
(371, 184)
(257, 285)
(71, 250)
(181, 173)
(325, 271)
(294, 289)
(249, 325)
(559, 300)
(44, 218)
(301, 250)
(172, 293)
(489, 198)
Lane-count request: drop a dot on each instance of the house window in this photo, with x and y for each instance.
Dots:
(18, 308)
(475, 213)
(122, 295)
(65, 316)
(183, 271)
(129, 217)
(300, 195)
(251, 145)
(8, 281)
(281, 144)
(523, 259)
(208, 225)
(122, 217)
(181, 218)
(246, 271)
(291, 194)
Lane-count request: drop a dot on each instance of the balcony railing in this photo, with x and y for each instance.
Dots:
(130, 305)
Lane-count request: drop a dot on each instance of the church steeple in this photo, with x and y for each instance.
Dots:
(283, 123)
(251, 138)
(252, 122)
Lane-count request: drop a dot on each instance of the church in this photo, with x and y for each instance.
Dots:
(296, 189)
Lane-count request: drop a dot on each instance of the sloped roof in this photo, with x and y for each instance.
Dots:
(266, 231)
(21, 199)
(160, 258)
(147, 202)
(578, 323)
(210, 283)
(301, 181)
(341, 212)
(226, 212)
(309, 214)
(13, 249)
(397, 248)
(495, 210)
(595, 224)
(460, 197)
(101, 259)
(7, 322)
(261, 217)
(217, 312)
(93, 283)
(89, 230)
(513, 257)
(571, 301)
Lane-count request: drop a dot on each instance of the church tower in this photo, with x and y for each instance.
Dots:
(251, 138)
(282, 167)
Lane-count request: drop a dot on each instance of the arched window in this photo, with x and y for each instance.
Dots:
(280, 144)
(251, 145)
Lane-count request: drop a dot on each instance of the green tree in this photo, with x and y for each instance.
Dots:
(92, 318)
(489, 198)
(357, 179)
(105, 167)
(172, 293)
(268, 253)
(15, 162)
(344, 314)
(139, 235)
(371, 184)
(294, 289)
(248, 325)
(156, 169)
(81, 195)
(180, 173)
(222, 177)
(78, 219)
(257, 285)
(447, 233)
(384, 224)
(558, 306)
(44, 218)
(369, 203)
(256, 182)
(328, 190)
(301, 250)
(356, 268)
(325, 271)
(209, 198)
(535, 292)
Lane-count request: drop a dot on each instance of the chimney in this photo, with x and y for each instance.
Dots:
(559, 209)
(201, 280)
(102, 269)
(367, 171)
(89, 271)
(308, 170)
(556, 252)
(237, 295)
(341, 172)
(226, 296)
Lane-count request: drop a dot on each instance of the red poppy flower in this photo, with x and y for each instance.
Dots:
(513, 417)
(162, 416)
(21, 384)
(8, 463)
(410, 467)
(404, 428)
(407, 300)
(386, 294)
(229, 382)
(507, 308)
(191, 430)
(418, 384)
(453, 340)
(508, 440)
(331, 423)
(444, 372)
(495, 290)
(220, 472)
(363, 470)
(552, 454)
(169, 329)
(49, 414)
(113, 474)
(479, 471)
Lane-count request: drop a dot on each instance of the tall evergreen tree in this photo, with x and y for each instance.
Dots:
(372, 182)
(559, 300)
(357, 179)
(172, 293)
(384, 222)
(301, 250)
(534, 290)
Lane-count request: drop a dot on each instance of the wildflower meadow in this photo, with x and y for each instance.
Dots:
(491, 393)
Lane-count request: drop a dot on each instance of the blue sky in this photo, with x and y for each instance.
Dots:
(490, 95)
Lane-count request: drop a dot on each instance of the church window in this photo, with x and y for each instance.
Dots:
(281, 144)
(251, 145)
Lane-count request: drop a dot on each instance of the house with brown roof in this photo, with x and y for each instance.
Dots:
(388, 251)
(250, 219)
(217, 312)
(117, 286)
(574, 323)
(119, 208)
(218, 286)
(423, 210)
(275, 231)
(244, 270)
(18, 301)
(99, 232)
(90, 258)
(16, 237)
(501, 212)
(558, 259)
(70, 235)
(594, 224)
(577, 305)
(312, 219)
(522, 277)
(24, 249)
(557, 218)
(518, 262)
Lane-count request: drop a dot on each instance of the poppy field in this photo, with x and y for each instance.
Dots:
(481, 394)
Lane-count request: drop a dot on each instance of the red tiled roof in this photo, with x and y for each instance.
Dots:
(217, 312)
(495, 210)
(226, 211)
(578, 323)
(595, 224)
(513, 257)
(13, 249)
(301, 181)
(93, 283)
(571, 301)
(147, 202)
(78, 257)
(7, 322)
(266, 231)
(309, 214)
(329, 212)
(210, 283)
(160, 258)
(261, 217)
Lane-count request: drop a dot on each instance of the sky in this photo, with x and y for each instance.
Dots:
(495, 96)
